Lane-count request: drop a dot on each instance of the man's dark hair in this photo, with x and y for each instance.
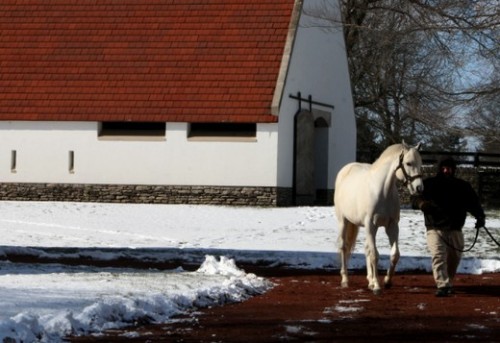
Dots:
(447, 162)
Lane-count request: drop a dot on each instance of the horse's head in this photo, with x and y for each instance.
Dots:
(409, 169)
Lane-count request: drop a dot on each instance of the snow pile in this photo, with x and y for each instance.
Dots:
(124, 297)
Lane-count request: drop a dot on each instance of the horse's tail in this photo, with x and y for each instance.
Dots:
(350, 237)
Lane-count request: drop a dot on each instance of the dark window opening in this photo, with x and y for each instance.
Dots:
(116, 128)
(71, 160)
(244, 130)
(13, 161)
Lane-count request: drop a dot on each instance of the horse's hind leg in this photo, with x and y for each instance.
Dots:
(393, 234)
(344, 252)
(347, 238)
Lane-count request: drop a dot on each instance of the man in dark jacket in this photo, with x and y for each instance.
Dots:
(445, 202)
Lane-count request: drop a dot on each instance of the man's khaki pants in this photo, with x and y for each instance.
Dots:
(445, 247)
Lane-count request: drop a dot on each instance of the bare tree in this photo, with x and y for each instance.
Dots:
(485, 118)
(410, 63)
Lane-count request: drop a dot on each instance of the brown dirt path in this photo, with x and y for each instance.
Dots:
(312, 307)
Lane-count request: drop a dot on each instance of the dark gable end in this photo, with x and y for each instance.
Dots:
(171, 61)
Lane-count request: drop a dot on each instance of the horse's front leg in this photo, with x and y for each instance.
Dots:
(392, 231)
(372, 259)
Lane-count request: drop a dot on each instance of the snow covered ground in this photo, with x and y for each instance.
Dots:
(45, 302)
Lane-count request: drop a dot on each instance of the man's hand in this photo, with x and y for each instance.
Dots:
(479, 223)
(425, 206)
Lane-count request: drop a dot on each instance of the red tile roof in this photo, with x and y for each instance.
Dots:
(147, 60)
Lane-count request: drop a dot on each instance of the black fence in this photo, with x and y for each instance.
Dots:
(482, 170)
(476, 159)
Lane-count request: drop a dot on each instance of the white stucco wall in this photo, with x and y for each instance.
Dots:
(42, 150)
(318, 67)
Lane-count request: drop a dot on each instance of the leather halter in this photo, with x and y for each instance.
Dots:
(408, 178)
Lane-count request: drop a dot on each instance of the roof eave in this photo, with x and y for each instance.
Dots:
(285, 60)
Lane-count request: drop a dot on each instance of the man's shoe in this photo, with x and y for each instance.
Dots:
(442, 292)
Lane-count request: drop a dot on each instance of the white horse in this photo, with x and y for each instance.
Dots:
(367, 195)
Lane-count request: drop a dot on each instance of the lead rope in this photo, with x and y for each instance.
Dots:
(491, 236)
(473, 244)
(455, 248)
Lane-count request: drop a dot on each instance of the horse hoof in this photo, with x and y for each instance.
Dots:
(377, 291)
(344, 285)
(388, 285)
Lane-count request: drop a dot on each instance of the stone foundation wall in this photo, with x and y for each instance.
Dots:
(150, 194)
(486, 182)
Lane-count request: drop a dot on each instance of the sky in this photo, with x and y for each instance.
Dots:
(45, 302)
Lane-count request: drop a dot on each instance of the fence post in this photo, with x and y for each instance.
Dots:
(476, 159)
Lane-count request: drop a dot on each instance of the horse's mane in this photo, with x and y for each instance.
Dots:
(390, 151)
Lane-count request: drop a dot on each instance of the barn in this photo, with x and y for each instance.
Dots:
(233, 102)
